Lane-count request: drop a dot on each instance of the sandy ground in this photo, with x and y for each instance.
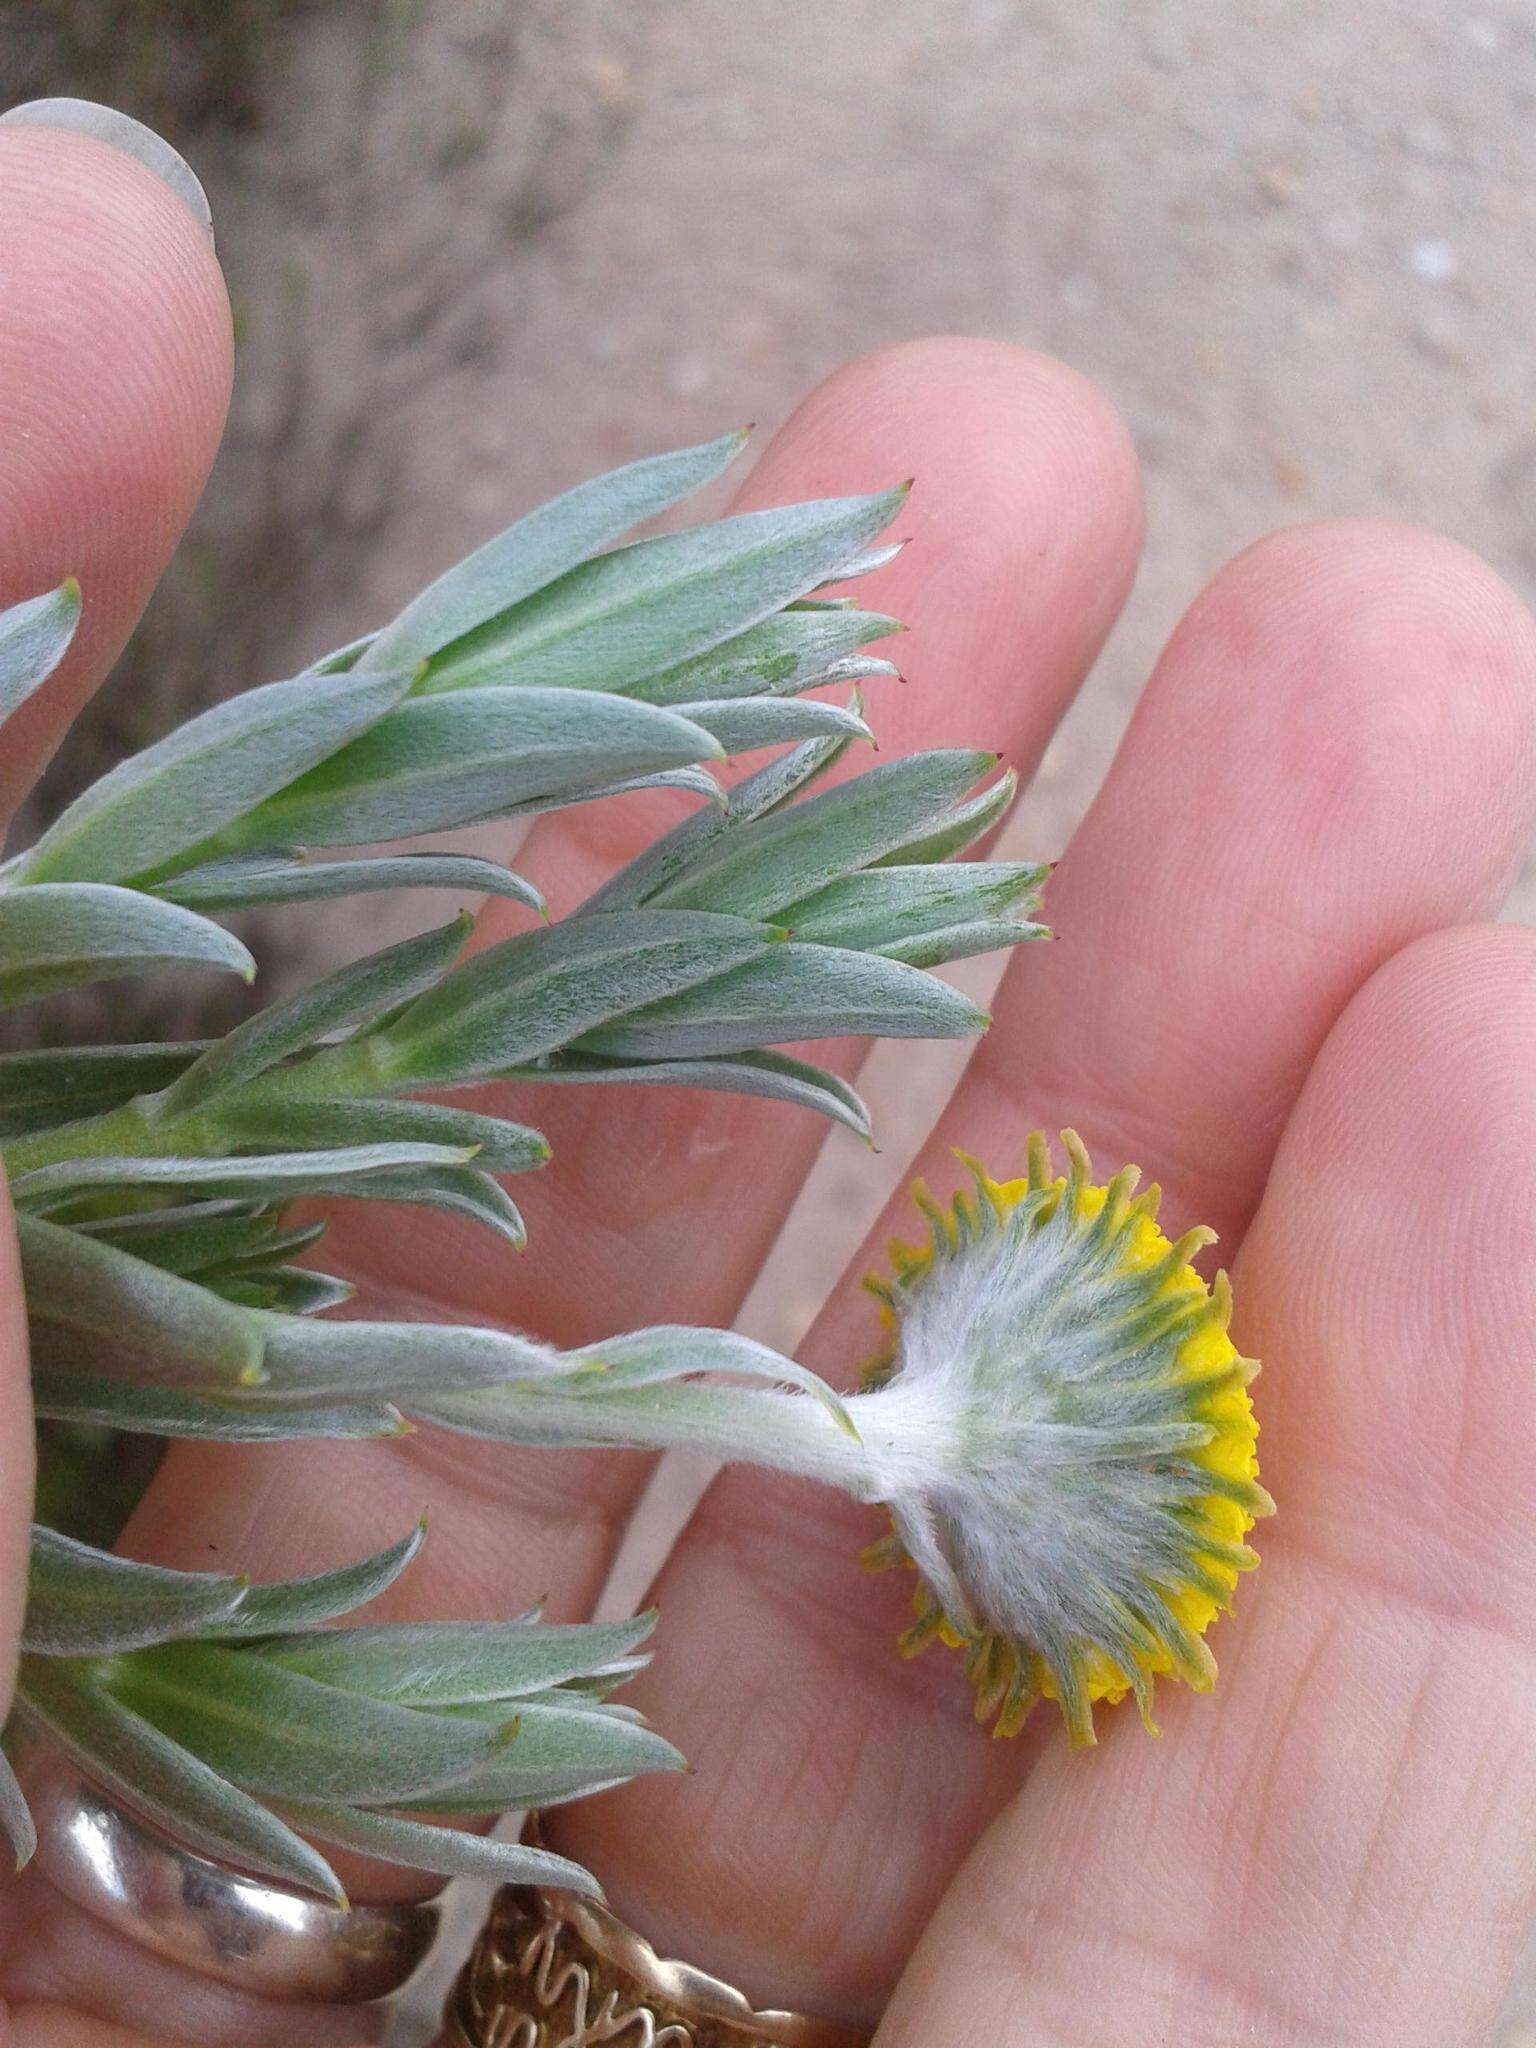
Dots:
(1296, 244)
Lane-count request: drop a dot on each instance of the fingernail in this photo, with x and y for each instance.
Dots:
(107, 124)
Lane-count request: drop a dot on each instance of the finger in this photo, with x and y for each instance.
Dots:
(114, 378)
(1024, 524)
(1345, 1851)
(1337, 751)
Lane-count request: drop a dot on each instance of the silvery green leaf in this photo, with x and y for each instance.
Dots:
(359, 1361)
(670, 1351)
(960, 828)
(865, 563)
(296, 1290)
(791, 992)
(88, 1301)
(620, 617)
(454, 1663)
(64, 1395)
(742, 723)
(157, 1778)
(462, 1190)
(59, 1085)
(246, 879)
(340, 659)
(206, 774)
(961, 941)
(499, 1789)
(364, 988)
(790, 651)
(676, 853)
(561, 1733)
(278, 1734)
(446, 1852)
(689, 781)
(544, 545)
(84, 1602)
(34, 638)
(321, 1596)
(268, 1173)
(874, 909)
(63, 935)
(771, 1074)
(498, 1146)
(530, 995)
(188, 1237)
(454, 760)
(16, 1823)
(754, 869)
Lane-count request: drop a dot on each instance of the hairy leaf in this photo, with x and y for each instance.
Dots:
(84, 1602)
(59, 936)
(206, 774)
(34, 638)
(241, 880)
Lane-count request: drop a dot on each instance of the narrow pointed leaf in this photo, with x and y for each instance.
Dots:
(278, 1734)
(498, 1146)
(531, 995)
(265, 1173)
(89, 1302)
(792, 992)
(960, 942)
(774, 1075)
(246, 879)
(59, 936)
(445, 1664)
(321, 1596)
(740, 724)
(97, 1399)
(790, 651)
(959, 828)
(454, 760)
(623, 616)
(462, 1190)
(544, 545)
(780, 859)
(877, 907)
(191, 1236)
(155, 1776)
(445, 1852)
(295, 1290)
(34, 638)
(208, 773)
(86, 1602)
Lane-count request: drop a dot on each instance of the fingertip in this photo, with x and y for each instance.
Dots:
(115, 365)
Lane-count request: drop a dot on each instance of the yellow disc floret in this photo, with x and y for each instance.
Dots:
(1076, 1376)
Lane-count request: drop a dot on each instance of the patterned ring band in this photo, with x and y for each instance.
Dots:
(260, 1937)
(551, 1970)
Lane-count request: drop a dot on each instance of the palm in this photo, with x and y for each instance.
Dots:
(1334, 763)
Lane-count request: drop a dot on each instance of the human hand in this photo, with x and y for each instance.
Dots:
(1268, 991)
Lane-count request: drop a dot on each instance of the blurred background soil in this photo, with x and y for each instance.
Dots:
(479, 249)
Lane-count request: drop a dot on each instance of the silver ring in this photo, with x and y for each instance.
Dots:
(256, 1936)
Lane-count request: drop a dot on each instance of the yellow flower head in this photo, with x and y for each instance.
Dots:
(1077, 1386)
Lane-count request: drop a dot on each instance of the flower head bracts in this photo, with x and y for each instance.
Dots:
(1094, 1471)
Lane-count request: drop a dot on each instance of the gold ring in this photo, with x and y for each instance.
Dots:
(551, 1970)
